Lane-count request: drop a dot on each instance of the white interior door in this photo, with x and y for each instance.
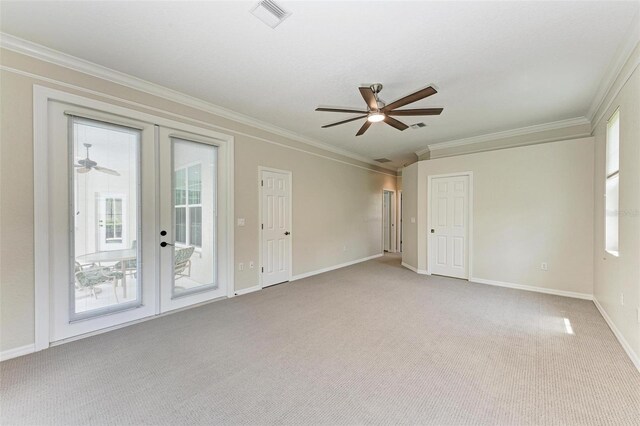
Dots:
(103, 220)
(400, 220)
(388, 221)
(449, 221)
(276, 227)
(386, 218)
(193, 218)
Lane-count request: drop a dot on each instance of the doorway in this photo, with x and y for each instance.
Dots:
(449, 220)
(275, 227)
(388, 221)
(140, 223)
(400, 225)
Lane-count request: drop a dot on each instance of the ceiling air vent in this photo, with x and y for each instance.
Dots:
(270, 13)
(418, 126)
(382, 160)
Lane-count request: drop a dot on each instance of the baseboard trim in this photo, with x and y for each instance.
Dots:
(16, 352)
(409, 267)
(414, 269)
(334, 267)
(635, 359)
(247, 290)
(535, 289)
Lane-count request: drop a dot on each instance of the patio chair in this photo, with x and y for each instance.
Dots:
(182, 262)
(130, 265)
(90, 277)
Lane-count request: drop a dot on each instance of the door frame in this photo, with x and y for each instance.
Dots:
(42, 96)
(399, 223)
(259, 226)
(430, 178)
(392, 221)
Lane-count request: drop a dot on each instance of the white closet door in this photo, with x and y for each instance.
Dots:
(449, 216)
(275, 227)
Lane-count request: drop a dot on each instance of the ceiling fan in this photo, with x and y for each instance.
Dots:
(87, 164)
(378, 111)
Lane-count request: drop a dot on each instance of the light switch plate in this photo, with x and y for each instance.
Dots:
(413, 220)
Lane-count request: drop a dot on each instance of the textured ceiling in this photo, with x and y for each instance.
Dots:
(497, 65)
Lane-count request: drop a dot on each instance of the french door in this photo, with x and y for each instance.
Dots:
(138, 218)
(192, 218)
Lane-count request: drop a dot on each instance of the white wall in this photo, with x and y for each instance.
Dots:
(409, 212)
(531, 205)
(616, 276)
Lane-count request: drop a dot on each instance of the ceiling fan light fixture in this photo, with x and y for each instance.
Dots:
(376, 117)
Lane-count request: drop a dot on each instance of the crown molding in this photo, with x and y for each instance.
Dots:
(622, 56)
(554, 125)
(43, 53)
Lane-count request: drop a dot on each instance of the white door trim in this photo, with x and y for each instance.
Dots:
(41, 98)
(399, 223)
(290, 178)
(392, 221)
(470, 227)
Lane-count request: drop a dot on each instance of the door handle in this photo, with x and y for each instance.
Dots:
(164, 244)
(433, 231)
(287, 233)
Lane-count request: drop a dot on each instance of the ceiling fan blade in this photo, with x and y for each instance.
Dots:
(83, 170)
(395, 123)
(107, 171)
(364, 128)
(343, 121)
(414, 97)
(369, 97)
(419, 111)
(350, 110)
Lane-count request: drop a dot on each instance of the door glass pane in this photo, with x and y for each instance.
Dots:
(194, 189)
(104, 183)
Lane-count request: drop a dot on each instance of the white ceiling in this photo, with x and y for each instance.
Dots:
(497, 65)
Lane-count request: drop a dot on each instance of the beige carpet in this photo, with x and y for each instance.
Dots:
(370, 344)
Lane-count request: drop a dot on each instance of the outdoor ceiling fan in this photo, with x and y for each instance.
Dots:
(86, 165)
(378, 111)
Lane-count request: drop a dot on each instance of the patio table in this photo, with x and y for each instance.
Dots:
(112, 256)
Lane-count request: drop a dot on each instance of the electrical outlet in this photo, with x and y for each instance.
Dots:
(251, 265)
(240, 266)
(544, 266)
(621, 299)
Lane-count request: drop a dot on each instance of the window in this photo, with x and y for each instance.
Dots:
(188, 205)
(612, 184)
(113, 220)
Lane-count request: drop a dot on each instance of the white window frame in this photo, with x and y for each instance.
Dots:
(187, 206)
(609, 176)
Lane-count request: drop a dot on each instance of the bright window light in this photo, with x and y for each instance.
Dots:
(567, 326)
(612, 184)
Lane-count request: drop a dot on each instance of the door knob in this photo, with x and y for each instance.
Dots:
(433, 231)
(163, 233)
(287, 233)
